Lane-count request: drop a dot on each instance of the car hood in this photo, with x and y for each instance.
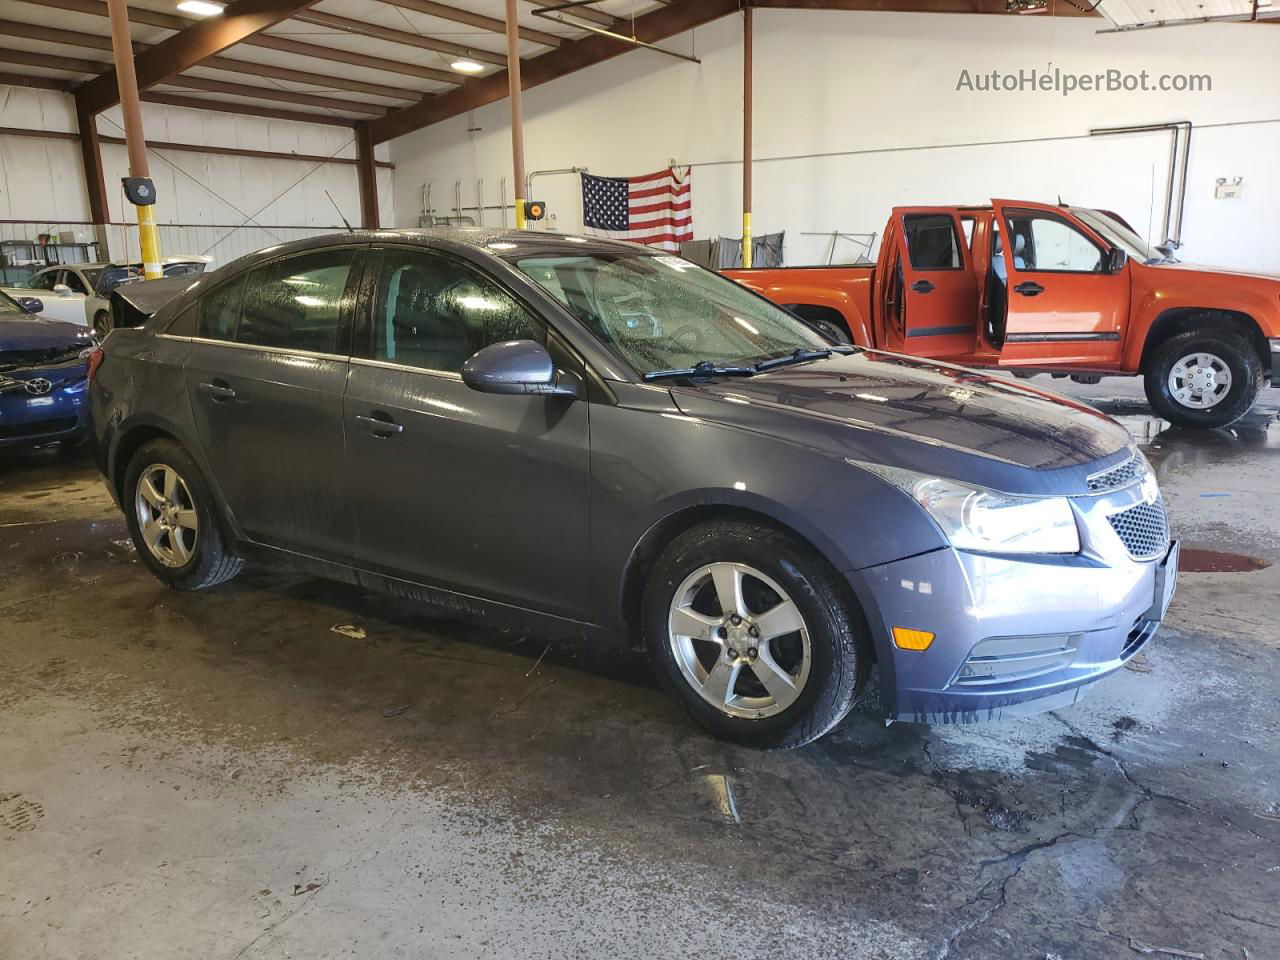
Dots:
(886, 408)
(34, 332)
(1225, 273)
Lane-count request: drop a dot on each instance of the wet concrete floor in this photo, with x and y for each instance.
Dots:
(222, 775)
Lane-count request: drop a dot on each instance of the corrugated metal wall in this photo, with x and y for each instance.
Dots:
(222, 206)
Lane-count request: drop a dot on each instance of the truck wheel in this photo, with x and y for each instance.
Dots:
(1203, 378)
(753, 634)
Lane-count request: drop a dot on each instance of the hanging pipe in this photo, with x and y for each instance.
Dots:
(480, 202)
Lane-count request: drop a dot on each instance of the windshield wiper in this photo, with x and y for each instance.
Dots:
(795, 356)
(703, 368)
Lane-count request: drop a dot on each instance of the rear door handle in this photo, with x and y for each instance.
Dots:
(1028, 288)
(381, 425)
(922, 286)
(218, 390)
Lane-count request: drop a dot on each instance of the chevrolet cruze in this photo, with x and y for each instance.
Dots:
(603, 439)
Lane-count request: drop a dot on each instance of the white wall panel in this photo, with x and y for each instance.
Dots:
(885, 84)
(224, 206)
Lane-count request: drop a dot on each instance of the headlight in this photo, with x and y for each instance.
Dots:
(976, 518)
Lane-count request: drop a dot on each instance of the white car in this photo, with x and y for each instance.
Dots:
(79, 292)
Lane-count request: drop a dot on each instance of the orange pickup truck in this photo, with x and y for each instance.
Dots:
(1059, 289)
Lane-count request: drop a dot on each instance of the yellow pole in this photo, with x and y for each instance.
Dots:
(746, 240)
(135, 141)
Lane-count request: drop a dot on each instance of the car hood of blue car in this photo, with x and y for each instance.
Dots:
(886, 408)
(41, 333)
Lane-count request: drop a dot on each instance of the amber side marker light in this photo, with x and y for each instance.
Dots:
(905, 638)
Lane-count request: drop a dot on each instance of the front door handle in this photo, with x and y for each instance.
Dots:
(382, 425)
(218, 390)
(922, 286)
(1028, 288)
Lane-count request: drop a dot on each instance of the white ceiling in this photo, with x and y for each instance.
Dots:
(1131, 13)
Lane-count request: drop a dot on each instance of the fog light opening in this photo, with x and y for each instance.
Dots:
(905, 638)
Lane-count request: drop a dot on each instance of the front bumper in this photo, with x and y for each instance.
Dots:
(1013, 636)
(43, 404)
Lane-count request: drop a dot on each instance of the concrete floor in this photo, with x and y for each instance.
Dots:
(223, 776)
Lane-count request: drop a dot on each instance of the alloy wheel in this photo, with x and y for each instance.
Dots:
(1200, 380)
(739, 640)
(166, 515)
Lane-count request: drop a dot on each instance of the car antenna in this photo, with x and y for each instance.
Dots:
(339, 209)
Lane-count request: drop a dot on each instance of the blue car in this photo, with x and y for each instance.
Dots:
(43, 378)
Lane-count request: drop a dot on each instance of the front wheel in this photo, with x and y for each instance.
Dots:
(101, 324)
(173, 520)
(1203, 378)
(753, 633)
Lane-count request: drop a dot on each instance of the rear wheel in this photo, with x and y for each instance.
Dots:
(1203, 378)
(753, 634)
(101, 324)
(172, 519)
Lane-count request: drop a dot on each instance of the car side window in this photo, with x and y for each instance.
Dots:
(219, 310)
(72, 280)
(932, 242)
(434, 312)
(43, 281)
(296, 303)
(184, 324)
(1044, 242)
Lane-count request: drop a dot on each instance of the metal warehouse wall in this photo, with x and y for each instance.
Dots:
(223, 206)
(858, 112)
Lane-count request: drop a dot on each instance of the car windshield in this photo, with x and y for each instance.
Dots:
(662, 313)
(10, 307)
(1120, 235)
(113, 276)
(91, 275)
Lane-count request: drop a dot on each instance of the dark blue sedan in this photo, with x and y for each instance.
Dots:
(43, 381)
(617, 443)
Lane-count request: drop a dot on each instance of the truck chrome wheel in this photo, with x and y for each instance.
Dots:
(739, 640)
(1200, 381)
(166, 515)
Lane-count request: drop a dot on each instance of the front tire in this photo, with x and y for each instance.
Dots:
(1203, 378)
(173, 520)
(753, 634)
(101, 324)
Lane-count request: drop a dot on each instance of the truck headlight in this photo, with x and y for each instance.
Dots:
(988, 521)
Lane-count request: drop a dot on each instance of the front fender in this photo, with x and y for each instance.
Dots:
(1256, 299)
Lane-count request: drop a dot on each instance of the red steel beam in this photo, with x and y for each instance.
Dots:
(366, 176)
(239, 21)
(650, 28)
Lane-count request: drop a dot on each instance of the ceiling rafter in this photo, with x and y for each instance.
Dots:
(248, 109)
(403, 37)
(239, 20)
(652, 27)
(74, 38)
(446, 12)
(267, 93)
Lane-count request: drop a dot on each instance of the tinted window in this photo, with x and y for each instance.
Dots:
(219, 310)
(72, 280)
(43, 281)
(296, 303)
(434, 312)
(184, 324)
(1043, 242)
(931, 241)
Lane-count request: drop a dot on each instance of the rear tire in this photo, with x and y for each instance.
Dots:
(173, 519)
(1203, 378)
(101, 324)
(790, 673)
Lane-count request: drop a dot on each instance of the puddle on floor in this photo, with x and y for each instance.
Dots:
(1193, 560)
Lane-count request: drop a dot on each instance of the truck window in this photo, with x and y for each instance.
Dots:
(932, 241)
(1042, 242)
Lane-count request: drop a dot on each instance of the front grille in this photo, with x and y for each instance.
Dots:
(45, 357)
(60, 425)
(1143, 529)
(1120, 475)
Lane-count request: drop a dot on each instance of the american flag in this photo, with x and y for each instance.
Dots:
(653, 208)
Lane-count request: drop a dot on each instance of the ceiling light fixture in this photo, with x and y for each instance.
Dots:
(467, 66)
(201, 8)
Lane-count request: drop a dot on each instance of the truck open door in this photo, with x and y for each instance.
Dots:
(1067, 293)
(927, 289)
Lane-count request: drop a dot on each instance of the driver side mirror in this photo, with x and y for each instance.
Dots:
(62, 290)
(1116, 260)
(515, 367)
